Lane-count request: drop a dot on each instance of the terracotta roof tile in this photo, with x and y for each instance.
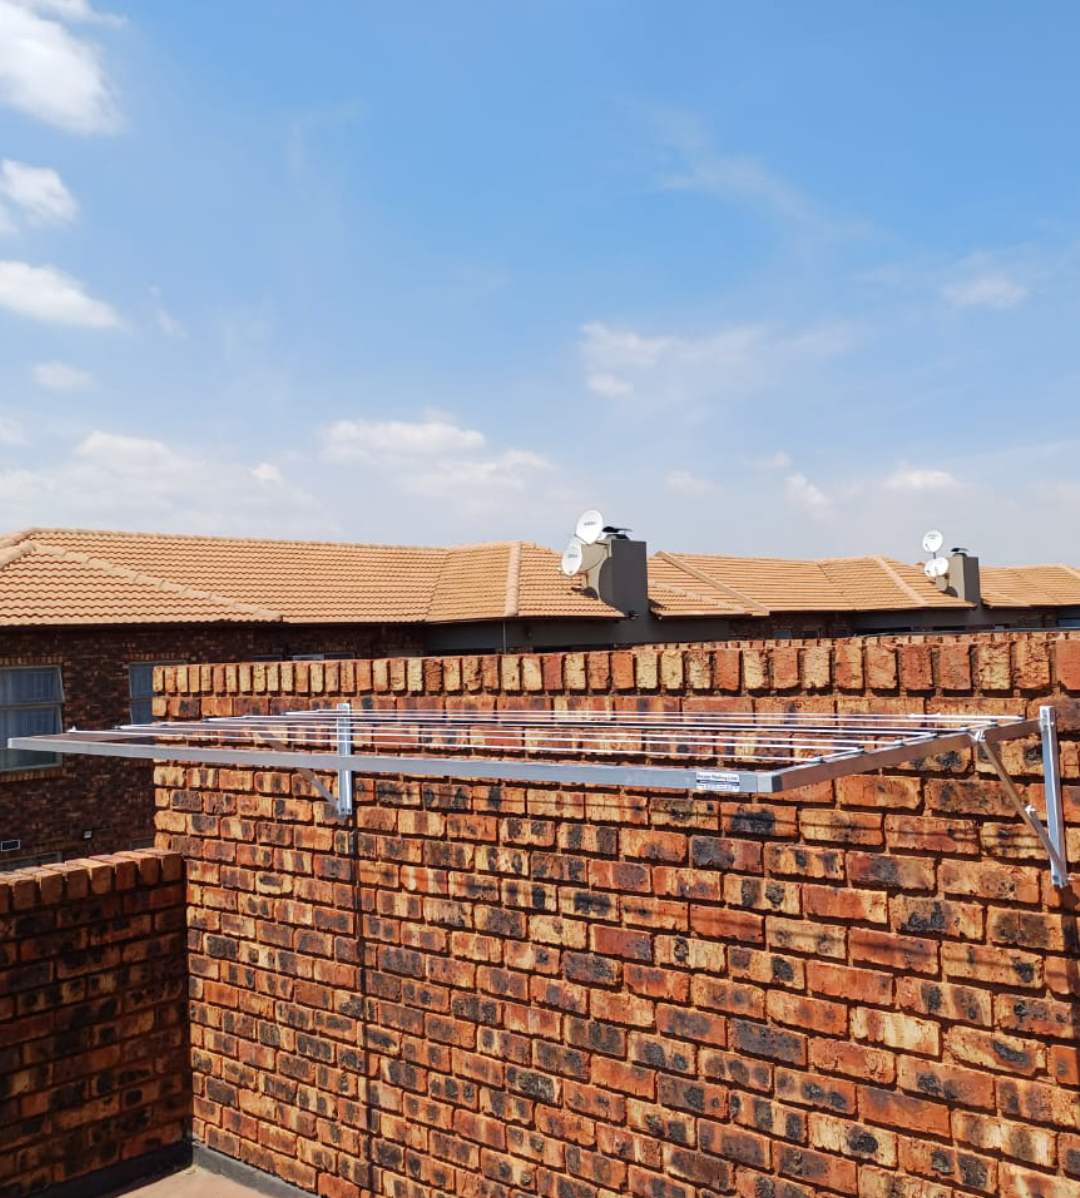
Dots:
(1031, 586)
(73, 576)
(41, 586)
(130, 577)
(708, 584)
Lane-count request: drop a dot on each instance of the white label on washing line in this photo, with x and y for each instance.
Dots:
(719, 780)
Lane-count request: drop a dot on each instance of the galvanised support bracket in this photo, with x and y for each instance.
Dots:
(1052, 835)
(343, 728)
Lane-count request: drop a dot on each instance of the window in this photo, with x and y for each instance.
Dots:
(141, 689)
(31, 699)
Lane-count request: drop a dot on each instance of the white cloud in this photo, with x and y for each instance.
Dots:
(683, 482)
(38, 191)
(75, 12)
(476, 481)
(986, 291)
(47, 294)
(609, 386)
(129, 455)
(11, 432)
(740, 178)
(128, 481)
(434, 458)
(58, 376)
(164, 319)
(806, 496)
(908, 478)
(48, 73)
(701, 371)
(780, 460)
(367, 440)
(267, 472)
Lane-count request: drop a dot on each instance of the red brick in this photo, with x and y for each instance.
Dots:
(669, 848)
(1067, 663)
(916, 668)
(804, 861)
(899, 1110)
(954, 667)
(936, 917)
(852, 1139)
(881, 672)
(842, 827)
(816, 1090)
(846, 982)
(820, 1170)
(987, 963)
(833, 902)
(896, 1030)
(808, 1014)
(1036, 1102)
(940, 1163)
(883, 869)
(910, 954)
(966, 1004)
(927, 835)
(1014, 883)
(951, 1083)
(879, 791)
(1025, 1183)
(990, 1050)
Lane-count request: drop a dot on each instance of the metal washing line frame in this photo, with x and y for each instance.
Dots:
(799, 749)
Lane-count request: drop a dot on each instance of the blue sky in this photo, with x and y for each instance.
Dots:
(773, 278)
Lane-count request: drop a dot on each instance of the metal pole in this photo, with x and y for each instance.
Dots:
(344, 748)
(1055, 819)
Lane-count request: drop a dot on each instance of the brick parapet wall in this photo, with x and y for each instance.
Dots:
(862, 988)
(997, 665)
(94, 1059)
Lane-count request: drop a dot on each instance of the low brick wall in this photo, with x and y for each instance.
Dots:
(863, 989)
(94, 1059)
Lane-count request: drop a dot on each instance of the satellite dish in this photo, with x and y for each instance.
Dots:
(936, 567)
(573, 557)
(933, 541)
(589, 527)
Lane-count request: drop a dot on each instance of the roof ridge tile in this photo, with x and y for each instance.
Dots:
(752, 605)
(513, 581)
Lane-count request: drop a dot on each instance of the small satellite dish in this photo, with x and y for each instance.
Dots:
(589, 527)
(936, 567)
(933, 541)
(573, 557)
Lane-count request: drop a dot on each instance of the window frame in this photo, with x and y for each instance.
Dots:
(132, 699)
(49, 761)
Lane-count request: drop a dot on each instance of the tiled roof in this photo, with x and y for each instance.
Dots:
(73, 576)
(709, 585)
(1032, 586)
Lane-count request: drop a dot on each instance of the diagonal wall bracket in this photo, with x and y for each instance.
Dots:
(1052, 836)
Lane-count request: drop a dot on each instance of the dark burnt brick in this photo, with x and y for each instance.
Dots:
(223, 947)
(763, 1040)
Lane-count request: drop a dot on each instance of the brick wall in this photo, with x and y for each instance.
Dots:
(866, 988)
(94, 1061)
(49, 810)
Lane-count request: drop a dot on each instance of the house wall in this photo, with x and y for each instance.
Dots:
(865, 988)
(94, 1059)
(49, 810)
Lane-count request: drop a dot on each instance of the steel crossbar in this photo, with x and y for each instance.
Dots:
(704, 752)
